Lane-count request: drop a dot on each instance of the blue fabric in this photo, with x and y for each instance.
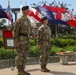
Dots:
(10, 13)
(47, 13)
(2, 13)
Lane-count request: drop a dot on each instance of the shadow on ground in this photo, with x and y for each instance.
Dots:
(61, 73)
(54, 72)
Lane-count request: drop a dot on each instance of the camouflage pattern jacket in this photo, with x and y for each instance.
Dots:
(44, 35)
(22, 26)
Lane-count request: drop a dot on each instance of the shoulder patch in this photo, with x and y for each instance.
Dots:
(41, 28)
(18, 21)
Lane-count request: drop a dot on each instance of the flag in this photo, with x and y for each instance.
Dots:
(62, 15)
(2, 13)
(57, 13)
(47, 13)
(59, 9)
(55, 9)
(20, 8)
(35, 16)
(52, 9)
(72, 23)
(67, 17)
(9, 12)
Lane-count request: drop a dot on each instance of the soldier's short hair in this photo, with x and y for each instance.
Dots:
(44, 18)
(25, 7)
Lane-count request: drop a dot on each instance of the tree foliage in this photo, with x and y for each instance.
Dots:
(2, 24)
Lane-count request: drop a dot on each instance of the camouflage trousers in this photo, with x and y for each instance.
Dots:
(22, 54)
(45, 52)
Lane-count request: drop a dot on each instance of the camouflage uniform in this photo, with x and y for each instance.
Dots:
(22, 32)
(44, 35)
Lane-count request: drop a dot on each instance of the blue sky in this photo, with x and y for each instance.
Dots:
(16, 3)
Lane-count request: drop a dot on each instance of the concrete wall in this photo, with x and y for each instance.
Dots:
(31, 60)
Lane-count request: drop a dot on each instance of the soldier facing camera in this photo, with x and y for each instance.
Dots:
(44, 35)
(21, 34)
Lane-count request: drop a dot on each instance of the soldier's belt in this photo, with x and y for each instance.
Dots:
(24, 35)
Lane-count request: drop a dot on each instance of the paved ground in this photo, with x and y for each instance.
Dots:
(55, 69)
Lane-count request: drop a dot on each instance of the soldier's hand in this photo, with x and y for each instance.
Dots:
(17, 44)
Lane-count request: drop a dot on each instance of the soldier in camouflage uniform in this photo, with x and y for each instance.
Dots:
(21, 33)
(44, 34)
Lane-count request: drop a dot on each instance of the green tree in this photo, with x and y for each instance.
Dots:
(2, 24)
